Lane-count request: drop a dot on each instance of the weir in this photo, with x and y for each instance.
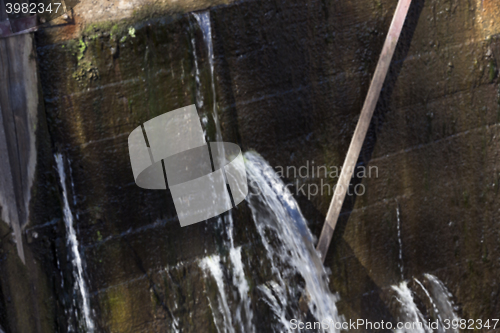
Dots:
(83, 249)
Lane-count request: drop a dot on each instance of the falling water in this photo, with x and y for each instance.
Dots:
(67, 309)
(442, 297)
(408, 311)
(73, 246)
(274, 209)
(400, 264)
(289, 246)
(203, 19)
(437, 301)
(199, 96)
(239, 280)
(213, 265)
(440, 300)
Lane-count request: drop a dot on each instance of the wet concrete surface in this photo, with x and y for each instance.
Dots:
(291, 77)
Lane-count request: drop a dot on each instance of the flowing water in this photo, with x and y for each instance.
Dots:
(400, 242)
(203, 19)
(297, 272)
(212, 264)
(290, 256)
(435, 312)
(76, 259)
(244, 316)
(409, 312)
(289, 248)
(273, 209)
(442, 307)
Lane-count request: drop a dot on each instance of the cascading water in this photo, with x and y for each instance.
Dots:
(287, 241)
(212, 264)
(239, 280)
(289, 245)
(435, 300)
(244, 315)
(197, 77)
(408, 311)
(72, 243)
(440, 299)
(203, 19)
(297, 249)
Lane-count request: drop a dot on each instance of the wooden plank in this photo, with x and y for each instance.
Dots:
(362, 126)
(18, 108)
(3, 11)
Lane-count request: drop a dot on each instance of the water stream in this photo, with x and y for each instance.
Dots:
(76, 259)
(297, 272)
(409, 312)
(289, 248)
(244, 316)
(203, 19)
(212, 264)
(435, 312)
(400, 242)
(442, 307)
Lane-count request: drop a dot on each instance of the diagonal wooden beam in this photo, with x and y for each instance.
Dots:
(362, 126)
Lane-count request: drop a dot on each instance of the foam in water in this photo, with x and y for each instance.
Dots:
(289, 246)
(73, 247)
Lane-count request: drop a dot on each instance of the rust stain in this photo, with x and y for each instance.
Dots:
(61, 30)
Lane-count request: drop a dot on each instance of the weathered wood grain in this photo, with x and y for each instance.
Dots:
(18, 105)
(362, 126)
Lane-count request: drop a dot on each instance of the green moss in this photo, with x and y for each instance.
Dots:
(95, 27)
(114, 30)
(117, 307)
(85, 70)
(82, 47)
(131, 32)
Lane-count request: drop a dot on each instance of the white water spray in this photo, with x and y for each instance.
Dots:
(212, 264)
(409, 312)
(73, 246)
(440, 300)
(203, 19)
(239, 280)
(289, 245)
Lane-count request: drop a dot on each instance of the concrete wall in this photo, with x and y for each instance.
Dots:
(291, 79)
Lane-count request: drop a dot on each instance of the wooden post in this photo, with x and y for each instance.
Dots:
(362, 126)
(18, 121)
